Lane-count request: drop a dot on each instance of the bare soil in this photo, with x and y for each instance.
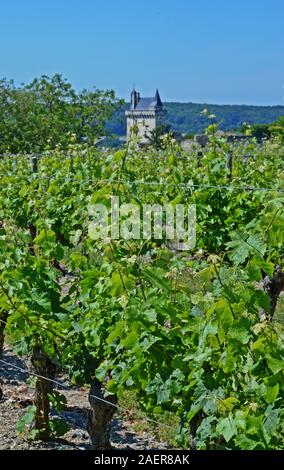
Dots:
(18, 394)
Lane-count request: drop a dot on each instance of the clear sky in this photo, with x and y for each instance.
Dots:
(215, 51)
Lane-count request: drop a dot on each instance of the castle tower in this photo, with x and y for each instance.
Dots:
(144, 115)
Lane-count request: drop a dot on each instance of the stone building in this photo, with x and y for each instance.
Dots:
(144, 115)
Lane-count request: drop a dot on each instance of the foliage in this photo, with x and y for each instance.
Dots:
(155, 136)
(186, 118)
(189, 332)
(265, 131)
(260, 131)
(277, 128)
(48, 112)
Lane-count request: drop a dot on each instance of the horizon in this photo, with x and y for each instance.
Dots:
(217, 104)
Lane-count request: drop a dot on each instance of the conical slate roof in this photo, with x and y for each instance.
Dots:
(146, 104)
(158, 99)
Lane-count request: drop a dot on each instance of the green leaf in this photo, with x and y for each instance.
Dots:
(270, 423)
(131, 340)
(240, 330)
(275, 365)
(271, 394)
(242, 247)
(150, 315)
(227, 404)
(45, 236)
(58, 400)
(26, 419)
(256, 243)
(59, 426)
(245, 443)
(266, 266)
(157, 277)
(226, 428)
(117, 332)
(239, 249)
(121, 283)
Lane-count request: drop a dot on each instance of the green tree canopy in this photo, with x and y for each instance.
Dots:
(278, 128)
(155, 136)
(49, 112)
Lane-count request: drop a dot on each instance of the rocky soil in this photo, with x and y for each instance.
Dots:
(18, 394)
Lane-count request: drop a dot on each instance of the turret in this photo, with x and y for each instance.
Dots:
(135, 97)
(158, 101)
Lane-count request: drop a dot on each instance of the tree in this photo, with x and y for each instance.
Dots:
(260, 131)
(48, 112)
(277, 129)
(154, 136)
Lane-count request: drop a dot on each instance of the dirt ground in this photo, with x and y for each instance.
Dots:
(17, 395)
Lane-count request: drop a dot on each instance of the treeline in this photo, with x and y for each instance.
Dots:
(49, 112)
(186, 118)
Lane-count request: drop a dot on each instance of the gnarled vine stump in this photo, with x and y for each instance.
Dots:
(100, 416)
(44, 367)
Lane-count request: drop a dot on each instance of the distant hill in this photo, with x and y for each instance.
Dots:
(186, 117)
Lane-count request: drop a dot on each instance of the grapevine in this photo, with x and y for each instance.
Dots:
(193, 333)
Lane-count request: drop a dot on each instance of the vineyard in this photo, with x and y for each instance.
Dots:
(196, 334)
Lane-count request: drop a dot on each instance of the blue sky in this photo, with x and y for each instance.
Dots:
(218, 51)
